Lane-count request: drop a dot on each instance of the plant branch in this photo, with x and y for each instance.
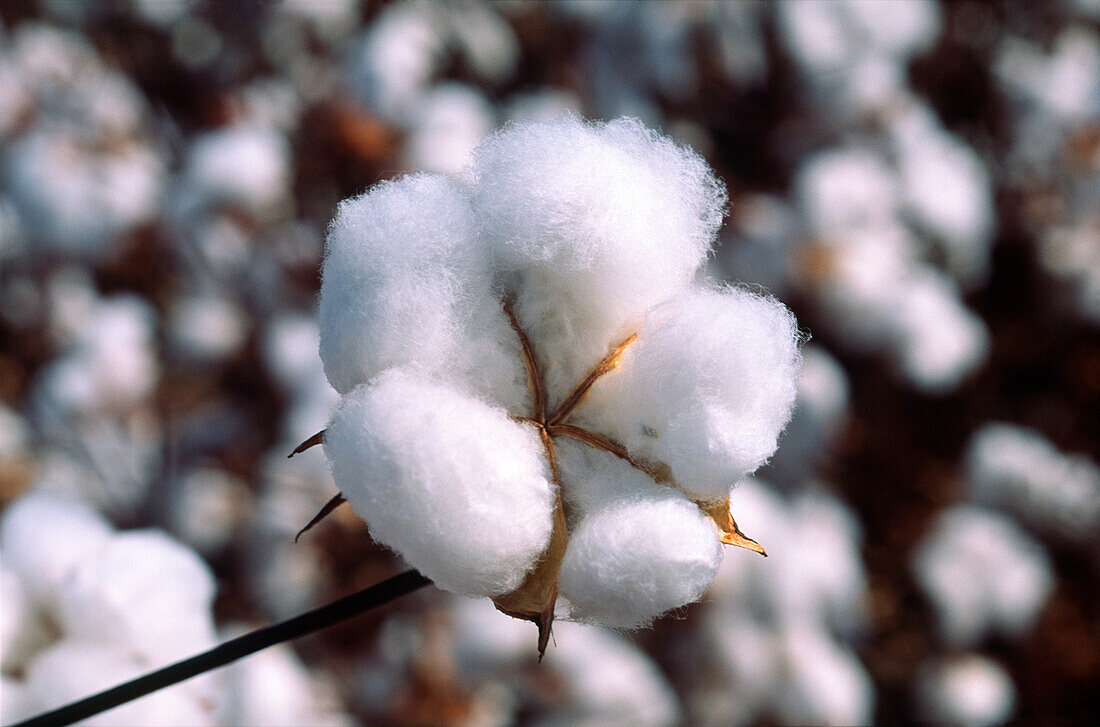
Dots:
(230, 651)
(610, 362)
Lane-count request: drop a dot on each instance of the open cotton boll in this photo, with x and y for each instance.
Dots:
(1017, 469)
(982, 574)
(405, 282)
(609, 682)
(244, 166)
(142, 589)
(454, 485)
(450, 121)
(44, 537)
(634, 559)
(968, 690)
(842, 189)
(73, 669)
(707, 388)
(597, 223)
(939, 341)
(826, 683)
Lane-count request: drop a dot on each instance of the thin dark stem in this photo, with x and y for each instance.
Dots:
(234, 649)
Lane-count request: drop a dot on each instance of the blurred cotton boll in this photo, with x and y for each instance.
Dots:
(982, 574)
(968, 690)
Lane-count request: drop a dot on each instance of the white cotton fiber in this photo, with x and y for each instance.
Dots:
(968, 690)
(43, 537)
(450, 120)
(844, 189)
(243, 166)
(454, 485)
(73, 669)
(596, 223)
(405, 282)
(636, 558)
(1018, 470)
(982, 574)
(826, 685)
(707, 388)
(143, 590)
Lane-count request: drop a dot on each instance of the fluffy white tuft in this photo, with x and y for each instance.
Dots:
(636, 558)
(452, 484)
(404, 282)
(596, 223)
(707, 389)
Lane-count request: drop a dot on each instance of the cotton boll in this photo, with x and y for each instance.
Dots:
(23, 628)
(145, 591)
(290, 343)
(44, 537)
(826, 683)
(205, 328)
(206, 507)
(243, 166)
(747, 664)
(707, 388)
(820, 409)
(595, 223)
(273, 688)
(968, 690)
(947, 192)
(13, 706)
(1018, 470)
(982, 574)
(405, 282)
(846, 188)
(900, 29)
(634, 559)
(452, 484)
(939, 341)
(609, 682)
(450, 121)
(73, 669)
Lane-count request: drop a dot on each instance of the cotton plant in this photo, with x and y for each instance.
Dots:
(967, 689)
(540, 397)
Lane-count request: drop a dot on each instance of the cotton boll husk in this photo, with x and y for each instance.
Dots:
(609, 682)
(592, 224)
(982, 574)
(707, 388)
(44, 537)
(143, 590)
(405, 282)
(968, 690)
(451, 483)
(633, 559)
(826, 683)
(73, 669)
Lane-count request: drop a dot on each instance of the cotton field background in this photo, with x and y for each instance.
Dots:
(919, 182)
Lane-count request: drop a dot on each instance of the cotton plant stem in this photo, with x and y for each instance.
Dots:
(306, 623)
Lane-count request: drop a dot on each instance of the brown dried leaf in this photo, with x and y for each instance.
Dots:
(728, 532)
(534, 600)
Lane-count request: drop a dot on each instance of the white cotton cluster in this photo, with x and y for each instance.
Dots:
(76, 163)
(1018, 470)
(854, 54)
(205, 328)
(108, 365)
(603, 678)
(969, 690)
(982, 575)
(392, 66)
(864, 272)
(595, 224)
(106, 606)
(707, 389)
(245, 167)
(449, 122)
(473, 513)
(404, 284)
(774, 642)
(290, 345)
(589, 233)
